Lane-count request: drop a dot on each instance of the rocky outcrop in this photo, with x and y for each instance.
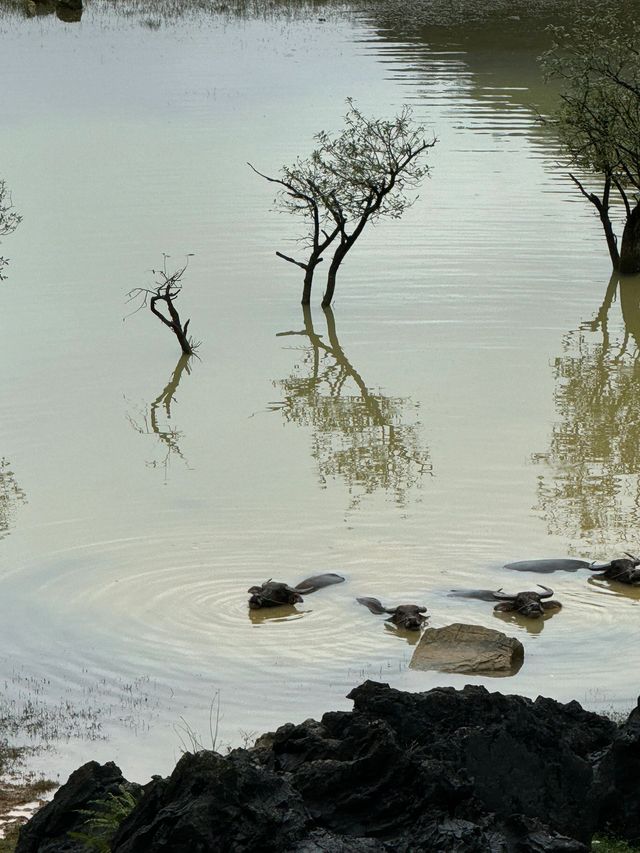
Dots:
(617, 782)
(468, 649)
(48, 830)
(215, 803)
(453, 771)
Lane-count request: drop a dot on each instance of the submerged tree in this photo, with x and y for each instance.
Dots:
(597, 59)
(167, 289)
(9, 221)
(351, 179)
(301, 194)
(358, 435)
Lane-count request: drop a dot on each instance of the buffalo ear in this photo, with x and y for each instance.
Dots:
(254, 590)
(505, 606)
(297, 599)
(552, 605)
(422, 609)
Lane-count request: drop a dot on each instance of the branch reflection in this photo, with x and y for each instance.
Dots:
(150, 423)
(357, 435)
(590, 491)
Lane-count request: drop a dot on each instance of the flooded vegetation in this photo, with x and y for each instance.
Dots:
(466, 402)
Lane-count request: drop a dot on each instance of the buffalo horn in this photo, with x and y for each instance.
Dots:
(547, 592)
(635, 559)
(502, 596)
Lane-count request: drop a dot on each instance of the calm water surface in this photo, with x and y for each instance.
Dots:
(471, 400)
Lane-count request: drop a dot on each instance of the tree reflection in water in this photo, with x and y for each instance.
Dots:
(592, 491)
(10, 495)
(149, 423)
(357, 435)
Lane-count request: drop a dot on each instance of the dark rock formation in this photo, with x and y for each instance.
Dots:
(48, 829)
(453, 771)
(211, 803)
(618, 782)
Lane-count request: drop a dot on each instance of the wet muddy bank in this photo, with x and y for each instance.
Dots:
(452, 770)
(22, 791)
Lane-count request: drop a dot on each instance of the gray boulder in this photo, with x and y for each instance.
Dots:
(468, 649)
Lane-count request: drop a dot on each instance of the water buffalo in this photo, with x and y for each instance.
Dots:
(551, 565)
(571, 565)
(274, 594)
(623, 571)
(407, 616)
(529, 604)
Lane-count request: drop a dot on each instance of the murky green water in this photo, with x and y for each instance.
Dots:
(469, 402)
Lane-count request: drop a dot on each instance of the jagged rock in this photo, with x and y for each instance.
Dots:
(468, 649)
(211, 803)
(516, 834)
(517, 756)
(48, 829)
(321, 841)
(453, 771)
(617, 782)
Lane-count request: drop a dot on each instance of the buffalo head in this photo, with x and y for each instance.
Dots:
(273, 594)
(623, 571)
(529, 604)
(408, 616)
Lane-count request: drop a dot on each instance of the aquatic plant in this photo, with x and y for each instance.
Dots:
(190, 740)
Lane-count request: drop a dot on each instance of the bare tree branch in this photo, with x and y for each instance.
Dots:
(166, 292)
